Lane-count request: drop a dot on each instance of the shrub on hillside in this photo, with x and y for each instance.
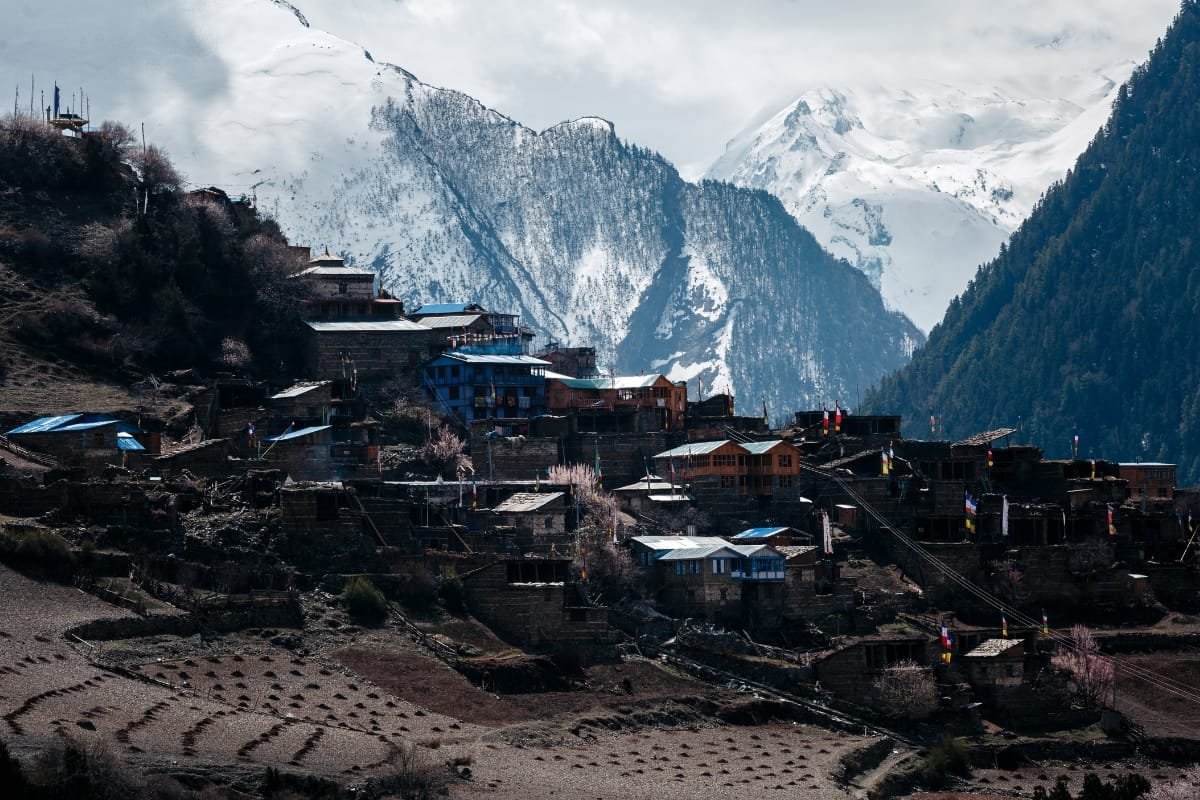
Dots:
(906, 690)
(364, 602)
(944, 761)
(40, 549)
(415, 775)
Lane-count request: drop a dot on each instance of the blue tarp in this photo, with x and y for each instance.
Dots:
(757, 533)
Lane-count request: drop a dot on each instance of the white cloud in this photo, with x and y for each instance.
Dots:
(682, 76)
(679, 76)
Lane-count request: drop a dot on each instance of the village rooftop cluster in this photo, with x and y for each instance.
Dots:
(598, 512)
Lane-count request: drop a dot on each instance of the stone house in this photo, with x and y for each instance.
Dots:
(533, 602)
(995, 663)
(543, 513)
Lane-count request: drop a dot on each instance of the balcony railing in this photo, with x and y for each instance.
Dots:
(761, 575)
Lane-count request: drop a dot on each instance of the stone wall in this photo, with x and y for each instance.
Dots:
(26, 497)
(513, 458)
(624, 457)
(545, 616)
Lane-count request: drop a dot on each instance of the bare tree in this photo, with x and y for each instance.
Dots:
(1008, 581)
(1091, 673)
(443, 451)
(607, 569)
(906, 690)
(599, 505)
(234, 353)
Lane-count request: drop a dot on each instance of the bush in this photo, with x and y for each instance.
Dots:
(39, 549)
(364, 602)
(945, 760)
(454, 595)
(415, 776)
(906, 690)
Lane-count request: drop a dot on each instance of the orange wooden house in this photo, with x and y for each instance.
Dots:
(654, 395)
(757, 468)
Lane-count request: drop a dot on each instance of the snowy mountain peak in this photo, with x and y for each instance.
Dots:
(916, 187)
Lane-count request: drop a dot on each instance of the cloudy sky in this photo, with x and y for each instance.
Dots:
(684, 76)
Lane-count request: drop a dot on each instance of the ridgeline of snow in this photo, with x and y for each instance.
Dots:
(918, 187)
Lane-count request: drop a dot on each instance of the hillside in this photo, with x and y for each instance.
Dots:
(1088, 318)
(111, 274)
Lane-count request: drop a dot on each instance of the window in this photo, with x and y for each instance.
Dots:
(678, 567)
(624, 394)
(453, 393)
(721, 460)
(785, 460)
(785, 481)
(726, 481)
(694, 567)
(342, 287)
(718, 566)
(724, 594)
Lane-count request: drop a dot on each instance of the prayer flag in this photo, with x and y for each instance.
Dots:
(1075, 446)
(886, 465)
(1004, 516)
(826, 533)
(837, 418)
(599, 473)
(1045, 623)
(1003, 626)
(825, 422)
(990, 461)
(1112, 529)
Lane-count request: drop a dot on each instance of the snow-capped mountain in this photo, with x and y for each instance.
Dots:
(590, 239)
(918, 187)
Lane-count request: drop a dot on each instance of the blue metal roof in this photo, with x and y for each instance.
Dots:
(85, 426)
(44, 424)
(288, 435)
(758, 533)
(125, 441)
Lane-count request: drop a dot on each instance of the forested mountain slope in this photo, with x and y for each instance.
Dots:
(1089, 317)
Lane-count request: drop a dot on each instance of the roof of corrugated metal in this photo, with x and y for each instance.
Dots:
(451, 321)
(677, 542)
(87, 426)
(444, 308)
(288, 435)
(125, 441)
(528, 501)
(295, 390)
(758, 533)
(44, 424)
(472, 358)
(381, 326)
(341, 272)
(692, 449)
(617, 382)
(994, 647)
(692, 553)
(758, 448)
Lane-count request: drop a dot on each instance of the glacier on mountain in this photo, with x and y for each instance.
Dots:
(918, 187)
